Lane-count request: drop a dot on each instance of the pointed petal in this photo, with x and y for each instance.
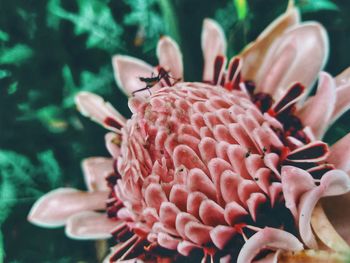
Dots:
(54, 208)
(213, 44)
(343, 78)
(90, 225)
(254, 54)
(96, 169)
(94, 107)
(295, 182)
(342, 103)
(297, 57)
(340, 153)
(170, 57)
(335, 182)
(127, 71)
(318, 110)
(268, 238)
(221, 235)
(113, 141)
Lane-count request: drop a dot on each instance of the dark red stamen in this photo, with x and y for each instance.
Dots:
(218, 64)
(310, 151)
(111, 122)
(233, 68)
(290, 96)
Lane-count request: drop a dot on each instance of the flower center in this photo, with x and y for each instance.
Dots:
(201, 166)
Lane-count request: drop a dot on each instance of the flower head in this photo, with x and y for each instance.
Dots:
(230, 168)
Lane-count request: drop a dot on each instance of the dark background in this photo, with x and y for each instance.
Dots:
(50, 50)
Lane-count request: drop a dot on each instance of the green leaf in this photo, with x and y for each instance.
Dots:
(170, 19)
(4, 73)
(95, 19)
(149, 23)
(4, 36)
(241, 8)
(49, 166)
(308, 6)
(100, 83)
(15, 55)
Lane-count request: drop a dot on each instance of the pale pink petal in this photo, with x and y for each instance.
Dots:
(318, 109)
(128, 70)
(323, 228)
(295, 182)
(234, 213)
(90, 225)
(154, 196)
(268, 238)
(112, 141)
(197, 232)
(96, 169)
(54, 208)
(342, 103)
(335, 182)
(213, 45)
(167, 241)
(197, 180)
(339, 154)
(221, 235)
(297, 57)
(343, 77)
(255, 53)
(170, 57)
(94, 107)
(185, 247)
(211, 213)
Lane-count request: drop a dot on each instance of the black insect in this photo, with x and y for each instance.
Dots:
(153, 80)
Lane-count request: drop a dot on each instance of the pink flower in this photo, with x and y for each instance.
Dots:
(232, 168)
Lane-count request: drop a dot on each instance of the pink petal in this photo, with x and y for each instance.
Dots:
(170, 57)
(297, 57)
(343, 77)
(335, 182)
(167, 241)
(167, 213)
(127, 71)
(90, 225)
(312, 152)
(295, 182)
(96, 169)
(184, 155)
(254, 201)
(255, 53)
(197, 180)
(211, 213)
(54, 208)
(221, 235)
(112, 141)
(185, 247)
(234, 213)
(213, 44)
(342, 103)
(178, 196)
(194, 201)
(198, 233)
(268, 238)
(340, 154)
(154, 196)
(229, 186)
(318, 110)
(182, 220)
(94, 107)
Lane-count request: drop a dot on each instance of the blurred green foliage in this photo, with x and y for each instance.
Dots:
(50, 50)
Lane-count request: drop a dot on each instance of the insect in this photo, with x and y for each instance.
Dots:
(154, 79)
